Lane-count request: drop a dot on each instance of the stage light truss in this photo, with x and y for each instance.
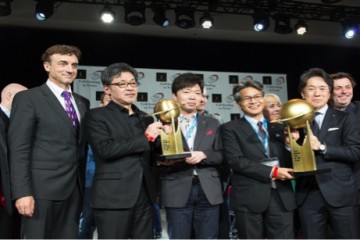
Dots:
(294, 9)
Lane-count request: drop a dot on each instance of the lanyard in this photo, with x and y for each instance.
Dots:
(191, 128)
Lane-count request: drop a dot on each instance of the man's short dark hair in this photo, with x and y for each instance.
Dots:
(251, 83)
(186, 80)
(315, 72)
(60, 49)
(115, 70)
(339, 75)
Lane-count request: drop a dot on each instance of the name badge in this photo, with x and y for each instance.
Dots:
(271, 162)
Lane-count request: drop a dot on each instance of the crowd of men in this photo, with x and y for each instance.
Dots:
(45, 144)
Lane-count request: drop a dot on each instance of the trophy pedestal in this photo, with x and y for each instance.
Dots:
(310, 173)
(175, 156)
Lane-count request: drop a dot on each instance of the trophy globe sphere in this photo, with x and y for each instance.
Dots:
(168, 109)
(296, 112)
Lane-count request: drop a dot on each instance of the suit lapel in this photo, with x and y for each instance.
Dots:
(54, 103)
(200, 131)
(330, 116)
(248, 130)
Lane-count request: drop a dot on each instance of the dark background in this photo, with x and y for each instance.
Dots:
(21, 48)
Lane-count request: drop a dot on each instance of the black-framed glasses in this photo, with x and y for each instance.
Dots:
(124, 84)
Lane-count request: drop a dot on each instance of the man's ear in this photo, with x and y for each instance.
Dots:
(46, 66)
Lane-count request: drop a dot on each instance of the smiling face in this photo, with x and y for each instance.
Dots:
(316, 92)
(343, 92)
(272, 108)
(62, 69)
(189, 98)
(123, 96)
(252, 102)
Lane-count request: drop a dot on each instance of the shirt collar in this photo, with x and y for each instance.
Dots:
(56, 89)
(323, 110)
(5, 110)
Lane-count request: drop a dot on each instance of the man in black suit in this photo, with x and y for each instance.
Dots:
(9, 218)
(341, 97)
(121, 136)
(47, 149)
(262, 197)
(329, 197)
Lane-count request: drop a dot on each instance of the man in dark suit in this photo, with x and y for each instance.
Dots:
(9, 218)
(262, 198)
(120, 136)
(47, 149)
(341, 97)
(329, 197)
(191, 191)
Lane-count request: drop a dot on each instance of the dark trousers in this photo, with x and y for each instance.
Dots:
(87, 221)
(198, 216)
(157, 218)
(315, 214)
(9, 224)
(135, 223)
(53, 219)
(274, 223)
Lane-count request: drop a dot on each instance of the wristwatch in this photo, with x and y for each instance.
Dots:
(322, 148)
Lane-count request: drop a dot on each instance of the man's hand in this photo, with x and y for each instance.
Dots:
(25, 206)
(196, 157)
(284, 174)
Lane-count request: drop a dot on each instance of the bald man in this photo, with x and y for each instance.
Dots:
(9, 219)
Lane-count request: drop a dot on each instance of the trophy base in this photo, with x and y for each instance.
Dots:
(311, 173)
(175, 156)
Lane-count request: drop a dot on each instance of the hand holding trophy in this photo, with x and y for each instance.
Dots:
(297, 113)
(167, 111)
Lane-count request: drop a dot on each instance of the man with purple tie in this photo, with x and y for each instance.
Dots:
(47, 150)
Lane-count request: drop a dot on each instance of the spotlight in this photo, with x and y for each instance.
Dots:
(261, 22)
(301, 27)
(44, 9)
(107, 15)
(206, 21)
(350, 30)
(5, 9)
(282, 24)
(134, 14)
(184, 17)
(160, 16)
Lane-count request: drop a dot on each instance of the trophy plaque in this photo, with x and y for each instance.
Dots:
(295, 114)
(167, 111)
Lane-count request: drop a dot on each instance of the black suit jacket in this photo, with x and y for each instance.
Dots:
(46, 157)
(340, 133)
(122, 157)
(251, 183)
(4, 162)
(354, 108)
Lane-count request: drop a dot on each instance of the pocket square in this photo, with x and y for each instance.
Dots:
(332, 129)
(210, 132)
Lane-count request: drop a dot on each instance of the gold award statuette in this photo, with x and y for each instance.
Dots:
(167, 111)
(297, 113)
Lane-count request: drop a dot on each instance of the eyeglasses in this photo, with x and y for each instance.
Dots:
(248, 99)
(124, 85)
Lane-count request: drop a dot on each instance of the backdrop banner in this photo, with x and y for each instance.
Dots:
(155, 85)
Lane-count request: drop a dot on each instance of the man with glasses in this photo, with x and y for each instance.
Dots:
(329, 197)
(121, 137)
(262, 197)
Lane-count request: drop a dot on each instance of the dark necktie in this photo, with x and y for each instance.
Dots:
(314, 125)
(261, 130)
(70, 110)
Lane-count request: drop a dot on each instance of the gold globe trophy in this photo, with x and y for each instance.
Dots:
(297, 113)
(167, 111)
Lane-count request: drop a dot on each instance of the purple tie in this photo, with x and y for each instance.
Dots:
(70, 110)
